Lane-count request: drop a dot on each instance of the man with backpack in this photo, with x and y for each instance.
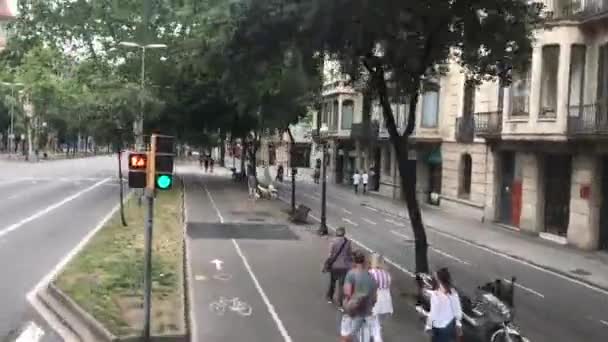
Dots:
(359, 300)
(337, 264)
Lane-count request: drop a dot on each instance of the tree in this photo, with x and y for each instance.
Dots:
(393, 47)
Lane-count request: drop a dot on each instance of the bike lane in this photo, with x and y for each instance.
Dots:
(285, 261)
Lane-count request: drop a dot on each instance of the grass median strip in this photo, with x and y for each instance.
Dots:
(106, 278)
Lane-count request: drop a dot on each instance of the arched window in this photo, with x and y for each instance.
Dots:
(348, 108)
(336, 114)
(466, 169)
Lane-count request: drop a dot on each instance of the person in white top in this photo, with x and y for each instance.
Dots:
(444, 321)
(384, 302)
(364, 179)
(356, 180)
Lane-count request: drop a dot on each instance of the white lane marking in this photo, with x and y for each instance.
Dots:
(32, 333)
(48, 316)
(523, 262)
(192, 313)
(256, 283)
(438, 251)
(368, 221)
(449, 256)
(347, 211)
(398, 224)
(371, 208)
(50, 208)
(401, 235)
(350, 222)
(526, 288)
(604, 322)
(12, 181)
(362, 245)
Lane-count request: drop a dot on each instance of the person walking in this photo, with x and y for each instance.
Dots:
(384, 303)
(444, 321)
(356, 180)
(252, 183)
(364, 179)
(337, 264)
(211, 162)
(206, 163)
(280, 171)
(359, 300)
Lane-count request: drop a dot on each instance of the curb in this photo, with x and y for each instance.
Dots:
(564, 274)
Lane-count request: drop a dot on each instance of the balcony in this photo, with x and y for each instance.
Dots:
(583, 11)
(488, 124)
(465, 129)
(588, 120)
(365, 131)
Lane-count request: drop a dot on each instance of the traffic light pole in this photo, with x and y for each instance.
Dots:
(149, 222)
(148, 230)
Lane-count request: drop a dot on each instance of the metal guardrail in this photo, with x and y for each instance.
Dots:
(488, 123)
(576, 9)
(589, 119)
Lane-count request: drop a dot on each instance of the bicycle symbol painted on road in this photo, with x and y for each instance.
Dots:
(222, 305)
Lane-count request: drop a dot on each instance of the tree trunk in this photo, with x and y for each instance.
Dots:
(407, 169)
(222, 150)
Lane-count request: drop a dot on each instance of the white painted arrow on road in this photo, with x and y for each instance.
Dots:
(218, 264)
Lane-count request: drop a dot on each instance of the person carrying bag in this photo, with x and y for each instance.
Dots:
(337, 264)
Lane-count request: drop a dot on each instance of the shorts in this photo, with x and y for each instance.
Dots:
(353, 326)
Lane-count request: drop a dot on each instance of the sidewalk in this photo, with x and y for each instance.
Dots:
(271, 267)
(588, 267)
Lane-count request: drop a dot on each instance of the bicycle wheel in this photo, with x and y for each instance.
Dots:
(502, 336)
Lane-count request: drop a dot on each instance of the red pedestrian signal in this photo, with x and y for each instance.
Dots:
(138, 164)
(138, 161)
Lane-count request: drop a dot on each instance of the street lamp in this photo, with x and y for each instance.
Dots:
(322, 139)
(11, 134)
(139, 123)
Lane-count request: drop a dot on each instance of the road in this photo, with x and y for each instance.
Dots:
(246, 250)
(548, 307)
(46, 208)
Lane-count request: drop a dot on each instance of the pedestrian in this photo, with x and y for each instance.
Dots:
(211, 162)
(384, 303)
(356, 180)
(280, 171)
(444, 321)
(364, 179)
(251, 183)
(359, 300)
(206, 163)
(337, 264)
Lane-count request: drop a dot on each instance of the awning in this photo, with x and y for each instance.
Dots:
(434, 158)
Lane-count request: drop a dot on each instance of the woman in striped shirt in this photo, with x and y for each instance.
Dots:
(384, 303)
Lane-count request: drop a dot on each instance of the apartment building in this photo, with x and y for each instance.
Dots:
(532, 155)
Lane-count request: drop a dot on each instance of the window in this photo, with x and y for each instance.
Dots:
(386, 160)
(602, 77)
(548, 90)
(336, 110)
(348, 108)
(430, 105)
(466, 169)
(468, 106)
(577, 79)
(520, 93)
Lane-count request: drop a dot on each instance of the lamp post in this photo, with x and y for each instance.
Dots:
(11, 134)
(323, 225)
(138, 126)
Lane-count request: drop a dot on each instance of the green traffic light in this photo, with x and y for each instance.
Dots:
(164, 181)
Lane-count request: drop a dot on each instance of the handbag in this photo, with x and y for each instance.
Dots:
(330, 261)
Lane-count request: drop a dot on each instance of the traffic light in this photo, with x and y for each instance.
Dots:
(162, 150)
(138, 163)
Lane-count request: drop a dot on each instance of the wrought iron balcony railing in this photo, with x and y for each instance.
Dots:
(588, 120)
(465, 129)
(366, 131)
(488, 124)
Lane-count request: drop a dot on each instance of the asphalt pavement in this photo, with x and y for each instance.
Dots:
(255, 277)
(46, 208)
(548, 307)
